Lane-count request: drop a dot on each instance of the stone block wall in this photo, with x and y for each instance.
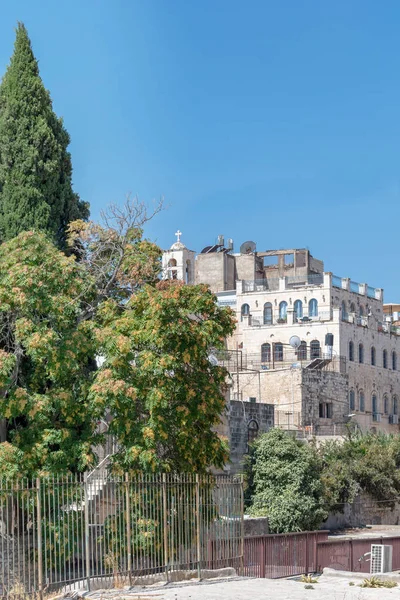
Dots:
(364, 511)
(241, 415)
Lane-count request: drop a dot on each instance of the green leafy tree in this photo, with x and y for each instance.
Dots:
(365, 462)
(46, 359)
(157, 383)
(287, 485)
(35, 166)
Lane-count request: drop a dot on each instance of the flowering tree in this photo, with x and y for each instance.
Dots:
(46, 357)
(58, 314)
(157, 383)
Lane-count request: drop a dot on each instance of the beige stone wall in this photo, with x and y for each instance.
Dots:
(217, 270)
(296, 395)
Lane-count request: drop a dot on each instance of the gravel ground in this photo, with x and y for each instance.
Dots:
(255, 589)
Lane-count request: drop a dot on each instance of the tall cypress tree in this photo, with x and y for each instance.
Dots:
(35, 165)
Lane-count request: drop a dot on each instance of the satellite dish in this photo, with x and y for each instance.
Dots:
(213, 360)
(247, 247)
(295, 341)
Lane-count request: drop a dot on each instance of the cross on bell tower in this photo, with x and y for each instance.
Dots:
(178, 235)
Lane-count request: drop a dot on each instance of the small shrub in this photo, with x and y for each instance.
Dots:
(351, 583)
(375, 582)
(308, 579)
(308, 587)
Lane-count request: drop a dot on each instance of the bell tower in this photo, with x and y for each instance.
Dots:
(178, 262)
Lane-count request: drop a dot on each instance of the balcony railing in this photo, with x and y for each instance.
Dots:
(357, 288)
(258, 321)
(300, 280)
(260, 285)
(356, 320)
(272, 284)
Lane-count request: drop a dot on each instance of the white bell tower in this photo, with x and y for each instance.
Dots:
(178, 262)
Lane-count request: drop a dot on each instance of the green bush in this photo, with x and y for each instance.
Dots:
(287, 485)
(297, 484)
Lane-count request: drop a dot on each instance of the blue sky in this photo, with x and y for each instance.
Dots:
(272, 121)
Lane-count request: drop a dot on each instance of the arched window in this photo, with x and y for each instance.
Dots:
(302, 351)
(283, 311)
(278, 352)
(298, 309)
(351, 351)
(395, 405)
(344, 311)
(360, 353)
(172, 262)
(352, 400)
(313, 308)
(245, 310)
(361, 401)
(394, 361)
(268, 313)
(315, 349)
(373, 356)
(352, 307)
(384, 359)
(266, 353)
(385, 404)
(374, 404)
(252, 433)
(188, 271)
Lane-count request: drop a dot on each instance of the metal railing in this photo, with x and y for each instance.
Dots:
(260, 285)
(291, 318)
(310, 279)
(272, 283)
(67, 533)
(282, 555)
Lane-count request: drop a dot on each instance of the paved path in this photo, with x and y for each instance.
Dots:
(260, 589)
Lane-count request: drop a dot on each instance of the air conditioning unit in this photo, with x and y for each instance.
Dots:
(394, 419)
(377, 417)
(381, 558)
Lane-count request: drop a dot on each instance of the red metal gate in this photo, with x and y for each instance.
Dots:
(282, 555)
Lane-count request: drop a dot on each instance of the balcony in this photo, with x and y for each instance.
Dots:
(284, 283)
(291, 318)
(362, 289)
(354, 319)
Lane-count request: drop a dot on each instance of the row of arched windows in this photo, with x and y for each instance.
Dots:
(282, 314)
(387, 406)
(361, 357)
(352, 310)
(302, 351)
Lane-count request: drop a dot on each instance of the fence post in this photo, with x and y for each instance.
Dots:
(87, 536)
(165, 520)
(128, 528)
(307, 540)
(351, 556)
(39, 538)
(242, 524)
(198, 525)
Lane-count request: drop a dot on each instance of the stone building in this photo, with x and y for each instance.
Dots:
(324, 350)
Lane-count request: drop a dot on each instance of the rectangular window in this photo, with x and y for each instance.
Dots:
(271, 261)
(322, 410)
(329, 411)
